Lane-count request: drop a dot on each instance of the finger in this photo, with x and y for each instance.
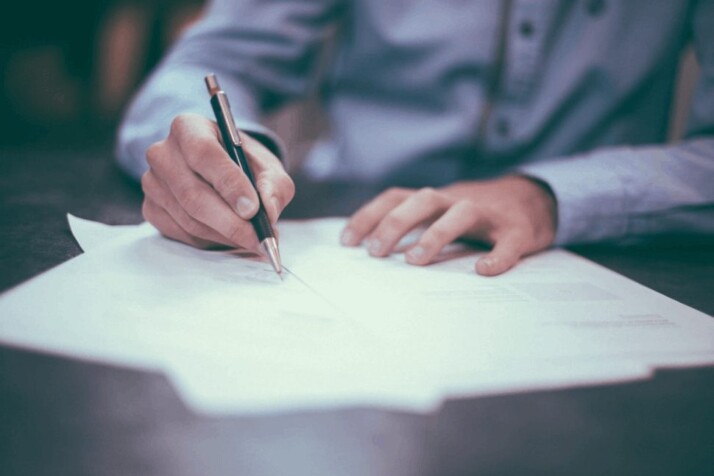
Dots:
(275, 187)
(422, 206)
(197, 198)
(166, 225)
(458, 220)
(506, 252)
(368, 217)
(157, 192)
(276, 190)
(198, 139)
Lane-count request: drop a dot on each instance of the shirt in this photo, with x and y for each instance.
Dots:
(574, 93)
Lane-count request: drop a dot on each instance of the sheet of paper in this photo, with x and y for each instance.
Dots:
(470, 332)
(205, 318)
(343, 328)
(92, 234)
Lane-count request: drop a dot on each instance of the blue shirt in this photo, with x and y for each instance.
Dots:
(575, 93)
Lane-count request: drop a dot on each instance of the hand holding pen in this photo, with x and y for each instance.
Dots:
(234, 146)
(195, 193)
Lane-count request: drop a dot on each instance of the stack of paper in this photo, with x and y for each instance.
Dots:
(343, 328)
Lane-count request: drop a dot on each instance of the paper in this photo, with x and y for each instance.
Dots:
(91, 234)
(343, 328)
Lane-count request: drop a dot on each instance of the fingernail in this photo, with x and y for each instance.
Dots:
(415, 253)
(487, 262)
(374, 246)
(245, 207)
(347, 237)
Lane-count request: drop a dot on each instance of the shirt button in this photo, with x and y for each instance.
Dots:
(526, 29)
(595, 7)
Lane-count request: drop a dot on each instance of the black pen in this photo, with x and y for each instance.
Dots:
(234, 147)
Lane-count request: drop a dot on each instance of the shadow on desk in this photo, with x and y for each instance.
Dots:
(62, 416)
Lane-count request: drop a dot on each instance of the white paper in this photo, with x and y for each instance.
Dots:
(92, 234)
(344, 328)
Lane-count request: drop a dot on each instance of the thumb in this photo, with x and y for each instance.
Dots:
(274, 185)
(276, 191)
(506, 252)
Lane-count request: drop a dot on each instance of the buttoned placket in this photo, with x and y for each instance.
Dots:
(520, 57)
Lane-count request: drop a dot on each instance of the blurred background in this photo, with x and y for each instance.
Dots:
(69, 68)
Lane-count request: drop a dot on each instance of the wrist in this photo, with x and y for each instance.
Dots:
(541, 198)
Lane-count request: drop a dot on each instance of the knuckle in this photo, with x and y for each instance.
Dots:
(192, 227)
(428, 194)
(229, 184)
(154, 153)
(192, 200)
(181, 124)
(188, 133)
(467, 208)
(393, 221)
(198, 150)
(436, 235)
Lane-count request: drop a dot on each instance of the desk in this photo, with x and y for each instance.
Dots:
(61, 416)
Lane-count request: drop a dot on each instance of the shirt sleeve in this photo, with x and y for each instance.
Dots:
(262, 52)
(634, 192)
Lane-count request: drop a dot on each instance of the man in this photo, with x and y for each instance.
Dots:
(521, 123)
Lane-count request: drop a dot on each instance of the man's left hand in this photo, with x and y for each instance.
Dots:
(515, 214)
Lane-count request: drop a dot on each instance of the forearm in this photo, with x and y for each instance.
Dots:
(262, 52)
(172, 90)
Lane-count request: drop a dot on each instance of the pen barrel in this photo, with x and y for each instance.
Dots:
(262, 226)
(260, 221)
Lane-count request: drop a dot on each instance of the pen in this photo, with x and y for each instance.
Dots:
(234, 147)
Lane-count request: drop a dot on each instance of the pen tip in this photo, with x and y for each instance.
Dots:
(270, 246)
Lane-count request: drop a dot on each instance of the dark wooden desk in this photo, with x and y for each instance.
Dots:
(62, 416)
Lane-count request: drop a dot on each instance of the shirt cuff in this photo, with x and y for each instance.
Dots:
(590, 198)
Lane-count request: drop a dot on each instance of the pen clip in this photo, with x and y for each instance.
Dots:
(224, 108)
(228, 118)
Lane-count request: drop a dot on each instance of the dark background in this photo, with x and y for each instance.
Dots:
(68, 68)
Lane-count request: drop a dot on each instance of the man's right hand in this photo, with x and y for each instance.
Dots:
(195, 193)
